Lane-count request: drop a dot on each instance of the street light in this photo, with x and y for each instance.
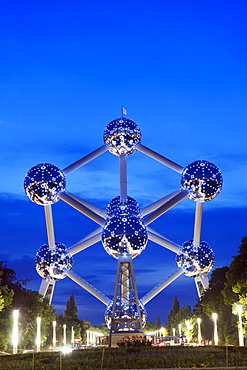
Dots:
(64, 334)
(187, 323)
(199, 331)
(38, 339)
(180, 329)
(240, 325)
(173, 332)
(15, 331)
(216, 339)
(54, 339)
(72, 336)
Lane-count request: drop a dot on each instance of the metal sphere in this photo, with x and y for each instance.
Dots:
(203, 180)
(43, 182)
(116, 207)
(124, 312)
(195, 259)
(53, 263)
(121, 136)
(124, 235)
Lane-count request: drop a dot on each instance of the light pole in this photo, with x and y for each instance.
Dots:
(54, 339)
(173, 332)
(180, 329)
(38, 339)
(64, 334)
(15, 331)
(199, 331)
(240, 325)
(72, 336)
(216, 339)
(187, 323)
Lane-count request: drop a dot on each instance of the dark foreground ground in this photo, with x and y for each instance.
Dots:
(135, 358)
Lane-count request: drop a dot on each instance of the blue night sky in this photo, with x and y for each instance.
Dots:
(67, 67)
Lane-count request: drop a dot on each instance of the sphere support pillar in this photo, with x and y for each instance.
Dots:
(126, 314)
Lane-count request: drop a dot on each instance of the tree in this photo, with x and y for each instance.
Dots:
(173, 313)
(71, 310)
(213, 301)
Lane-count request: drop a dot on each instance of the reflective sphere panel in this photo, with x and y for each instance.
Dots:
(194, 259)
(121, 136)
(53, 263)
(129, 207)
(203, 180)
(43, 182)
(124, 234)
(126, 312)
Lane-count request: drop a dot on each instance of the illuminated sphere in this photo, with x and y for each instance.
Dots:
(121, 136)
(124, 235)
(203, 180)
(53, 263)
(124, 312)
(194, 259)
(116, 207)
(43, 182)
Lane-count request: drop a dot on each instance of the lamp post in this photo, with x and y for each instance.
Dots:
(54, 339)
(199, 331)
(15, 331)
(64, 334)
(187, 323)
(72, 336)
(38, 339)
(216, 339)
(180, 329)
(173, 332)
(240, 325)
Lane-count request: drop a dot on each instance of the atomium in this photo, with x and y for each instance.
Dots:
(121, 136)
(53, 262)
(124, 228)
(43, 182)
(203, 180)
(125, 313)
(195, 259)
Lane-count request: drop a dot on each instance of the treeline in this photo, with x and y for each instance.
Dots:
(227, 291)
(14, 295)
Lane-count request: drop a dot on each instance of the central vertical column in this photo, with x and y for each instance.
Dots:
(126, 315)
(123, 178)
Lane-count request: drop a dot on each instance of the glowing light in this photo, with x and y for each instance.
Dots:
(195, 259)
(38, 339)
(199, 336)
(216, 339)
(203, 179)
(54, 339)
(240, 325)
(53, 262)
(43, 182)
(187, 323)
(121, 136)
(64, 334)
(15, 334)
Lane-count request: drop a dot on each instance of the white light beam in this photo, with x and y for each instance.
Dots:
(89, 157)
(165, 207)
(198, 224)
(88, 287)
(160, 239)
(49, 226)
(162, 285)
(158, 157)
(81, 208)
(86, 242)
